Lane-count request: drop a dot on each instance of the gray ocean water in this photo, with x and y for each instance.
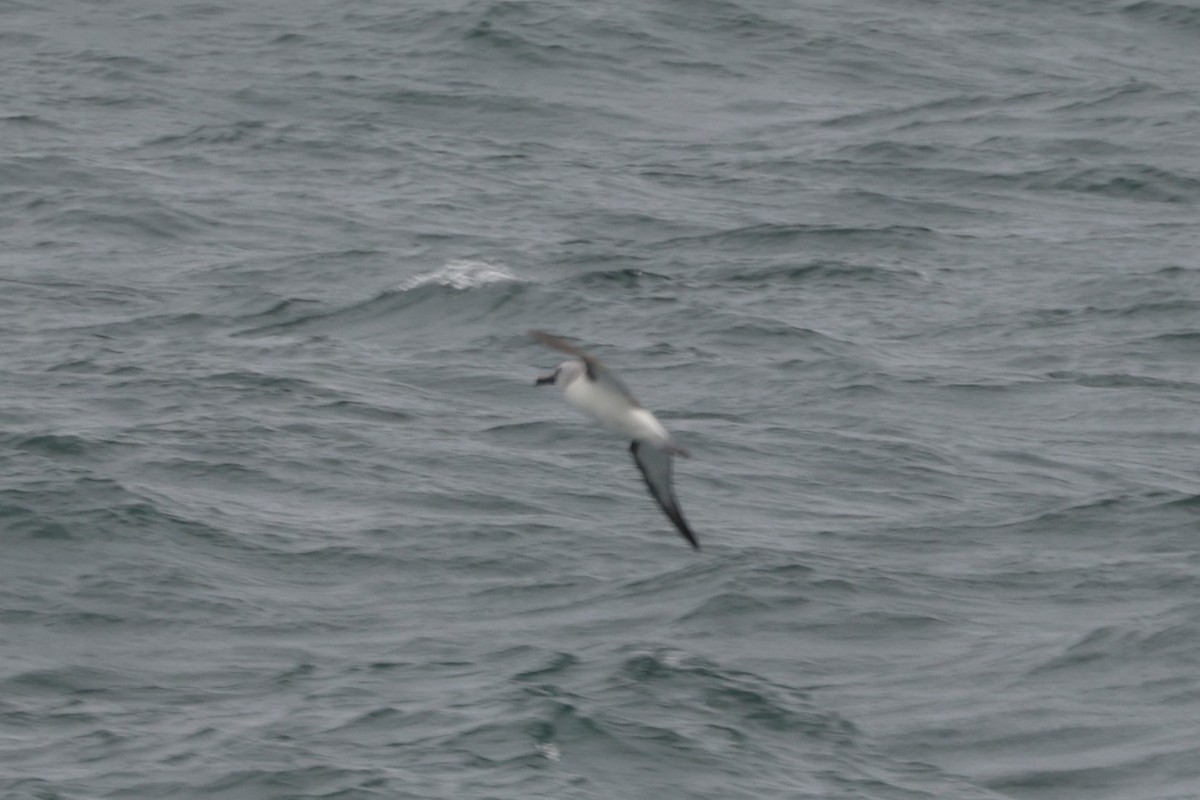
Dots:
(282, 514)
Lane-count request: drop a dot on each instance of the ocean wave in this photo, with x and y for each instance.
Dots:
(1177, 17)
(1119, 380)
(122, 217)
(208, 134)
(464, 288)
(792, 236)
(460, 274)
(628, 277)
(1117, 646)
(826, 270)
(1135, 181)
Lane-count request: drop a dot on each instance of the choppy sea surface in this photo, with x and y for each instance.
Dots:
(282, 514)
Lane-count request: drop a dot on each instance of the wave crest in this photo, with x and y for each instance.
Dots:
(460, 274)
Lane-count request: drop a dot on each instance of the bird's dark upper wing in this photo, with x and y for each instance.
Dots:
(558, 343)
(595, 368)
(655, 465)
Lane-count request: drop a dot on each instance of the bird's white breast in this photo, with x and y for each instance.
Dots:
(614, 410)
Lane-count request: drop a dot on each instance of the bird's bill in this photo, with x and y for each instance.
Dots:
(545, 379)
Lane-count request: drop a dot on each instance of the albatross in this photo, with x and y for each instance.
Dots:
(590, 385)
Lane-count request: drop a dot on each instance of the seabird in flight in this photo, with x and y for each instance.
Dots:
(590, 385)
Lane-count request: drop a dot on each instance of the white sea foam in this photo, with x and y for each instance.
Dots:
(549, 750)
(462, 273)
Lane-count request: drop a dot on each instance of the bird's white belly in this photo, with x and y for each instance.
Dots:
(616, 412)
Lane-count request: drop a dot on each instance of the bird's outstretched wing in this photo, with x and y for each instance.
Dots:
(558, 343)
(596, 371)
(655, 465)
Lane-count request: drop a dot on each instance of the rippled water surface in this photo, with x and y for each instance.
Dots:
(282, 514)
